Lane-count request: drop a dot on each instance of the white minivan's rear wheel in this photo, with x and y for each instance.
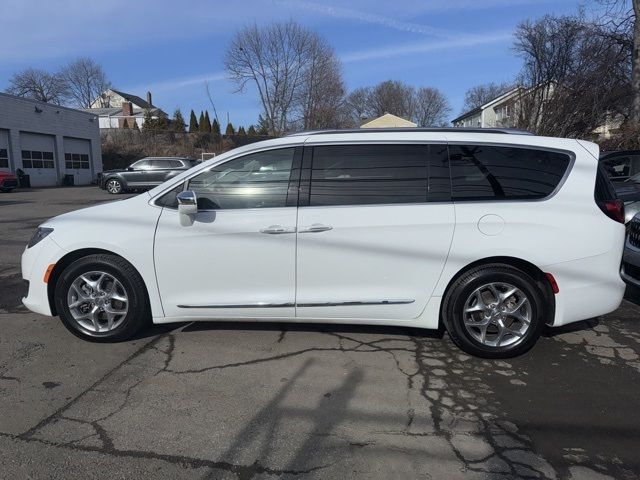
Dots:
(102, 298)
(494, 311)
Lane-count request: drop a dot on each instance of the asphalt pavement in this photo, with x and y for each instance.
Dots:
(269, 400)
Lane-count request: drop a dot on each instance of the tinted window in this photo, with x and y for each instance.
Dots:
(141, 165)
(170, 199)
(258, 180)
(482, 172)
(621, 167)
(369, 174)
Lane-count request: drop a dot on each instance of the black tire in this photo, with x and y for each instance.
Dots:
(118, 186)
(461, 290)
(138, 312)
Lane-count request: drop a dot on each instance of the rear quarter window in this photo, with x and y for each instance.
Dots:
(486, 172)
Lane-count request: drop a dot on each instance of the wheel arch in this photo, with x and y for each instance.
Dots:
(71, 257)
(529, 268)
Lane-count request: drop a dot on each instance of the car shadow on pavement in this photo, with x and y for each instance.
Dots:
(312, 327)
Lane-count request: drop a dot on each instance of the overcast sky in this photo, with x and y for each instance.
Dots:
(173, 47)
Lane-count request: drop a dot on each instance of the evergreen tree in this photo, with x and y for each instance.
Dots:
(241, 131)
(229, 130)
(177, 123)
(135, 125)
(148, 123)
(206, 125)
(162, 121)
(263, 126)
(201, 127)
(193, 123)
(252, 131)
(215, 127)
(125, 124)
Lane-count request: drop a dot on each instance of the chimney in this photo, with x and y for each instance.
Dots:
(127, 109)
(149, 99)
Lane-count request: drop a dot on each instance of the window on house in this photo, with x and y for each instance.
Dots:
(37, 159)
(4, 158)
(76, 161)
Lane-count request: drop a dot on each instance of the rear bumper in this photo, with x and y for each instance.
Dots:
(589, 287)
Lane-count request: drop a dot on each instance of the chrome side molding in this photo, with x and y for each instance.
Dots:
(240, 305)
(395, 301)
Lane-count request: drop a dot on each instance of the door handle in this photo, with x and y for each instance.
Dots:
(278, 230)
(315, 228)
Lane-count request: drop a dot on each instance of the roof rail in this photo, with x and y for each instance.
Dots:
(510, 131)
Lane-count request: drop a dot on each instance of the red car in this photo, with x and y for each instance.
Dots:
(8, 181)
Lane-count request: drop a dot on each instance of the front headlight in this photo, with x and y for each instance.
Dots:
(41, 232)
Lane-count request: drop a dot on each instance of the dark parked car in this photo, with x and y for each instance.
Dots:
(145, 173)
(623, 168)
(630, 270)
(8, 181)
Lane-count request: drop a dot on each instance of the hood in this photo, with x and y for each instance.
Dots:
(113, 212)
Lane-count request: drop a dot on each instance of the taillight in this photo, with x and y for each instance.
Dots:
(614, 209)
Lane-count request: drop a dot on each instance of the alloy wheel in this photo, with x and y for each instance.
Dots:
(97, 301)
(114, 186)
(497, 314)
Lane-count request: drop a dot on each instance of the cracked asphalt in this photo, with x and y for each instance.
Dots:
(265, 400)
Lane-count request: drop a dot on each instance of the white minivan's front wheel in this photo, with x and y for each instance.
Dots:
(101, 298)
(494, 311)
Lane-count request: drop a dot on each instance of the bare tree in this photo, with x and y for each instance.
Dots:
(321, 102)
(481, 94)
(85, 80)
(38, 85)
(575, 79)
(392, 97)
(357, 105)
(619, 25)
(431, 107)
(276, 59)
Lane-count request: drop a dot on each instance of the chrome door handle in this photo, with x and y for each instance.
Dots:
(278, 230)
(315, 228)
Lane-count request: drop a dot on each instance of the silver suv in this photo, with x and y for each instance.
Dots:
(145, 173)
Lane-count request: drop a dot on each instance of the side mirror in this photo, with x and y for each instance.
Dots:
(129, 169)
(187, 207)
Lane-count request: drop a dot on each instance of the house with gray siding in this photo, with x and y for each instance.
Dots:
(48, 141)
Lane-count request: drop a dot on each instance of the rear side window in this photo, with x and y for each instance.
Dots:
(369, 174)
(484, 172)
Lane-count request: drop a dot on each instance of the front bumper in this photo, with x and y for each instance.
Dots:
(35, 261)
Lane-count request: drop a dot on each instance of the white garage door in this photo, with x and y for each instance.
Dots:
(38, 159)
(77, 160)
(4, 151)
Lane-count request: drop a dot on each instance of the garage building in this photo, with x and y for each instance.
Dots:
(48, 142)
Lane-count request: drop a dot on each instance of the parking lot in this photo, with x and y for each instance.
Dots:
(264, 400)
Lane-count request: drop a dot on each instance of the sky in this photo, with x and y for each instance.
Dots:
(174, 48)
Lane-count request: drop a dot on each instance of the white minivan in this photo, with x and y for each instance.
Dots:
(490, 234)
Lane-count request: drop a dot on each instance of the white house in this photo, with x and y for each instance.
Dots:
(116, 109)
(499, 112)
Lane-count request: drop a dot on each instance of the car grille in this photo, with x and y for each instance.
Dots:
(634, 232)
(632, 271)
(10, 183)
